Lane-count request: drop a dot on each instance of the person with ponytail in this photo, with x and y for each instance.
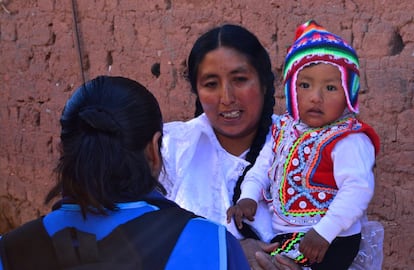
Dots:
(207, 157)
(110, 212)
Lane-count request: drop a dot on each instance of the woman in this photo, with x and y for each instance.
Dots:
(111, 215)
(206, 158)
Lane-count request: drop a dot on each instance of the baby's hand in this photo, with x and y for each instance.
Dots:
(244, 208)
(313, 246)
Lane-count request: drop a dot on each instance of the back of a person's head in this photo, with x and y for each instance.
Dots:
(106, 124)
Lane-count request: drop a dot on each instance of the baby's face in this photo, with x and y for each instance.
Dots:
(320, 94)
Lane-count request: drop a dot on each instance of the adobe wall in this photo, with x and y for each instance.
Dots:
(40, 68)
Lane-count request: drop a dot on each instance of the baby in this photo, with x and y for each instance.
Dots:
(316, 169)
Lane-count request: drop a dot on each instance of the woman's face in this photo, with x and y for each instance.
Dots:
(230, 93)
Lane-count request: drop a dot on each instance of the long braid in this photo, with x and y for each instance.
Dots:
(198, 108)
(257, 145)
(260, 138)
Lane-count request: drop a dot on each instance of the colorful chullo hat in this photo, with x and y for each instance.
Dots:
(314, 44)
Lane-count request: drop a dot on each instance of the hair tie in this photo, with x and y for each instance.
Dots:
(99, 119)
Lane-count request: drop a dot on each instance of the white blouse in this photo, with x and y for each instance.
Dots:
(200, 175)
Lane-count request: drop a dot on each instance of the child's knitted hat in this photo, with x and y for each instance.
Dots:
(314, 44)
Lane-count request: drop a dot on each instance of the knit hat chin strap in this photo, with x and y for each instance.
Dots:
(313, 45)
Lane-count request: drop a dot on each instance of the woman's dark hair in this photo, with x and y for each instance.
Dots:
(246, 43)
(106, 125)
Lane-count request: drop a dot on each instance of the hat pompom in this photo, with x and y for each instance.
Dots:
(301, 29)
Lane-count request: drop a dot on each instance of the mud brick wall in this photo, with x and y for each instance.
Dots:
(40, 68)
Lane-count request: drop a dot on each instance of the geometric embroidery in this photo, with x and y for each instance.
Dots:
(303, 189)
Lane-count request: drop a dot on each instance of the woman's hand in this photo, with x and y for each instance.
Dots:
(277, 262)
(257, 254)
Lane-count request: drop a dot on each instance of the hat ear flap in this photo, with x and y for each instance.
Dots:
(291, 96)
(353, 89)
(288, 96)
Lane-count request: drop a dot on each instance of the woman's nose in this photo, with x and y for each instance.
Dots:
(227, 94)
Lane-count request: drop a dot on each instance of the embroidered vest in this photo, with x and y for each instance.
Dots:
(303, 179)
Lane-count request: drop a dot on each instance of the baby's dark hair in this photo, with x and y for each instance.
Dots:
(238, 38)
(106, 125)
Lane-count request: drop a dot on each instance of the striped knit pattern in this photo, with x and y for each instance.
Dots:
(289, 247)
(314, 44)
